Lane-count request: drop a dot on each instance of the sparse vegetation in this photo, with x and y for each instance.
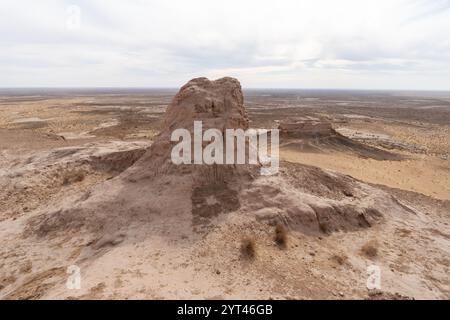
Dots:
(224, 231)
(339, 258)
(248, 248)
(73, 177)
(281, 235)
(370, 249)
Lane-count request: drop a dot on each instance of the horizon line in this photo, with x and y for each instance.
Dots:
(244, 88)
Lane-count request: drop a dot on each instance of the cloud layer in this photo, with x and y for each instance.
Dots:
(395, 44)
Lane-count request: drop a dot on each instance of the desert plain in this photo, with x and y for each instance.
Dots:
(73, 192)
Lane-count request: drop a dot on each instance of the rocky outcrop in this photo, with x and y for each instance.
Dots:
(218, 104)
(311, 134)
(40, 177)
(306, 127)
(188, 198)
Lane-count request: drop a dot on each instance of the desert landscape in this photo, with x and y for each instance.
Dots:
(86, 180)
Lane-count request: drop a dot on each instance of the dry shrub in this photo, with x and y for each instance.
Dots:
(73, 177)
(248, 248)
(281, 236)
(339, 258)
(370, 249)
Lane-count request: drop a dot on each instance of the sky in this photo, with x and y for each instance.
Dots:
(345, 44)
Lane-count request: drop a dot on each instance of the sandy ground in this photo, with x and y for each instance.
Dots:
(428, 175)
(56, 150)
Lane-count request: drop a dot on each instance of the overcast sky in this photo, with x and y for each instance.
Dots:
(382, 44)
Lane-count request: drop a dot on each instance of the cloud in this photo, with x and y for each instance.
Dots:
(396, 44)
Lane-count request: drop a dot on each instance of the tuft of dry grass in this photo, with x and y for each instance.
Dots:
(370, 249)
(73, 177)
(281, 235)
(248, 248)
(339, 258)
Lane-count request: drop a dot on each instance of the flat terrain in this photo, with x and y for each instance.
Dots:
(416, 125)
(56, 145)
